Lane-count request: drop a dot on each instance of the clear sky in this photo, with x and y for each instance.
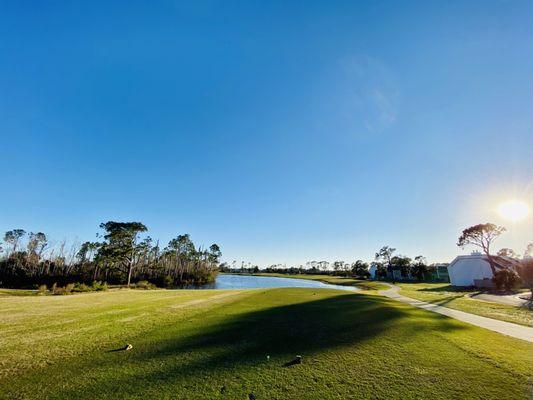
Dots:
(284, 131)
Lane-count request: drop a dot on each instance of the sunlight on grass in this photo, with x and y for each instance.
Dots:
(214, 344)
(445, 295)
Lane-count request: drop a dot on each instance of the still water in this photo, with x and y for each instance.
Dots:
(230, 281)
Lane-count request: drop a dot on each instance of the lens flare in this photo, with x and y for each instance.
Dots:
(513, 210)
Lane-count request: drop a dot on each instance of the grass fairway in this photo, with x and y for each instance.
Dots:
(214, 345)
(448, 296)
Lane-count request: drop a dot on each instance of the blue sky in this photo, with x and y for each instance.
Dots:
(284, 131)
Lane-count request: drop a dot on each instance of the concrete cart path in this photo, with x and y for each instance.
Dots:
(505, 328)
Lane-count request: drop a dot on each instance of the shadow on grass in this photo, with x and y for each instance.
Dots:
(444, 302)
(250, 339)
(123, 348)
(450, 288)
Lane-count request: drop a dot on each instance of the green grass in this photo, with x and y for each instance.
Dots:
(18, 292)
(335, 280)
(214, 345)
(448, 296)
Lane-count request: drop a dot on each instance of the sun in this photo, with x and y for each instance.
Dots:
(513, 210)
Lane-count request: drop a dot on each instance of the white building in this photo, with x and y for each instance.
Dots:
(465, 270)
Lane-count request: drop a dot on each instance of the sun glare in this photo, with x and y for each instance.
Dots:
(513, 210)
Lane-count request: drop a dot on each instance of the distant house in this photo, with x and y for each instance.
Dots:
(392, 273)
(474, 270)
(373, 271)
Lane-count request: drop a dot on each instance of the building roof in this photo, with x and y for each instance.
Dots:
(505, 262)
(500, 262)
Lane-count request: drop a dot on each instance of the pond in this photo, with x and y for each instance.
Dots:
(234, 281)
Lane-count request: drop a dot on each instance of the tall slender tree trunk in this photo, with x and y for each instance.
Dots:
(491, 263)
(490, 259)
(130, 269)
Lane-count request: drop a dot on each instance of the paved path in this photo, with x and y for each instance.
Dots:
(505, 328)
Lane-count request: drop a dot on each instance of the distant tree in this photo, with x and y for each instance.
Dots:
(506, 252)
(360, 268)
(214, 253)
(403, 264)
(145, 251)
(482, 236)
(525, 271)
(505, 279)
(224, 267)
(346, 268)
(87, 251)
(529, 251)
(419, 268)
(385, 255)
(323, 265)
(13, 238)
(182, 244)
(37, 242)
(337, 266)
(121, 245)
(381, 269)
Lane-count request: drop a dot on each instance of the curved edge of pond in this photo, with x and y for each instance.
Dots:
(242, 281)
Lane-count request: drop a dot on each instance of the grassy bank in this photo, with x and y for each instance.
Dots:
(18, 292)
(448, 296)
(335, 280)
(214, 344)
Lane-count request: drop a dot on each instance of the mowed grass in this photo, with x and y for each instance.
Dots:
(448, 296)
(214, 345)
(18, 292)
(335, 280)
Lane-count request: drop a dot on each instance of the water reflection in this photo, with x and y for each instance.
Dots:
(233, 281)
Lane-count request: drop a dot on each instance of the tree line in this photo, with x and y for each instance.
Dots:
(384, 262)
(123, 255)
(387, 260)
(358, 268)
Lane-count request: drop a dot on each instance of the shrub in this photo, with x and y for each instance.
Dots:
(526, 273)
(81, 287)
(505, 278)
(144, 285)
(99, 286)
(58, 290)
(42, 289)
(54, 288)
(169, 281)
